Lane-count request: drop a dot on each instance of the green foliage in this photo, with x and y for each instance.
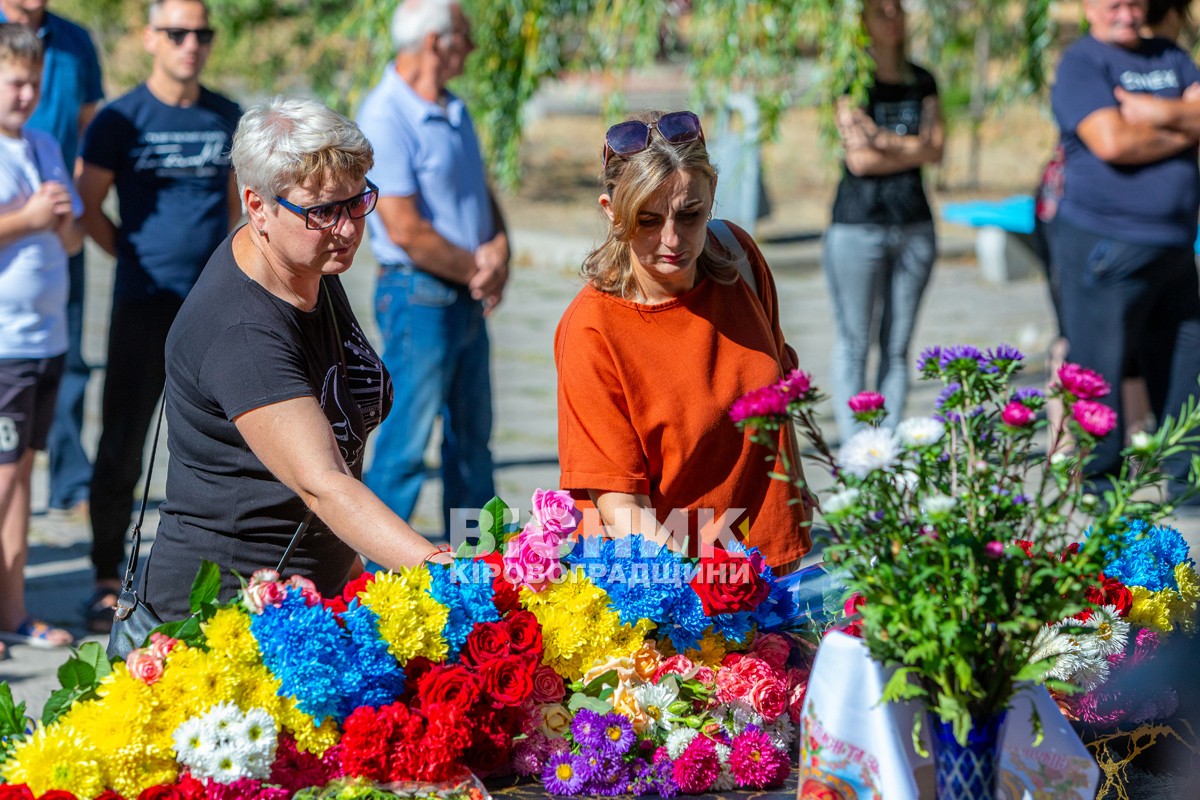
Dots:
(203, 602)
(13, 722)
(78, 678)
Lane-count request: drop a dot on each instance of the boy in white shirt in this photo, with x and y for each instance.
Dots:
(39, 226)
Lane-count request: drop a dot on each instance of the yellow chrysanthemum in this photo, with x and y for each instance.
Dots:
(133, 769)
(228, 632)
(410, 620)
(570, 648)
(712, 650)
(1189, 597)
(56, 757)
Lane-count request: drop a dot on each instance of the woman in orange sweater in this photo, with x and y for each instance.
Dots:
(669, 331)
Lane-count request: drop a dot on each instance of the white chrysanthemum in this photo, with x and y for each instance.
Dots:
(1092, 671)
(1051, 642)
(189, 740)
(936, 505)
(723, 751)
(225, 768)
(678, 740)
(920, 431)
(869, 450)
(258, 765)
(1110, 632)
(840, 502)
(654, 700)
(258, 730)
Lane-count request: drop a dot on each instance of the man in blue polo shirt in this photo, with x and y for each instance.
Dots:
(443, 252)
(1126, 224)
(71, 91)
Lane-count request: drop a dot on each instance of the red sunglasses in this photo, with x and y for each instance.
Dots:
(633, 136)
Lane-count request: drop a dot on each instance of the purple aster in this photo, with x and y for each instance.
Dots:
(664, 779)
(929, 358)
(617, 736)
(562, 774)
(1004, 354)
(962, 356)
(610, 777)
(588, 728)
(950, 396)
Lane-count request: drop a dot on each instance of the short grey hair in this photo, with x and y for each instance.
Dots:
(413, 20)
(19, 43)
(156, 8)
(290, 141)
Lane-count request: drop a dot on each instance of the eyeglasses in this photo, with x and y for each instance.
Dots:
(179, 35)
(633, 136)
(326, 215)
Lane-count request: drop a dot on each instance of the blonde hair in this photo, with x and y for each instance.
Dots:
(630, 182)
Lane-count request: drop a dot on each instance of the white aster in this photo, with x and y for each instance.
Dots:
(725, 781)
(654, 700)
(840, 502)
(869, 450)
(225, 768)
(1108, 632)
(917, 432)
(782, 733)
(678, 740)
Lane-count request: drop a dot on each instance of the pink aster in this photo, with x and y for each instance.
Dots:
(795, 386)
(1016, 414)
(766, 402)
(864, 402)
(697, 766)
(755, 762)
(1095, 418)
(994, 549)
(1082, 382)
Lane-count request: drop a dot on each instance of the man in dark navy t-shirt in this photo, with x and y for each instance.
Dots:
(164, 147)
(1124, 233)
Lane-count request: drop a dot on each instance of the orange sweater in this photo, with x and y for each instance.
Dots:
(644, 393)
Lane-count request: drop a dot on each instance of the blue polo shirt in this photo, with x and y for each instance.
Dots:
(431, 151)
(70, 79)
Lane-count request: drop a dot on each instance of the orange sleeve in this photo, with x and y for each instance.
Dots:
(598, 446)
(766, 293)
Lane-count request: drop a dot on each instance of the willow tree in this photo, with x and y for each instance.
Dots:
(337, 49)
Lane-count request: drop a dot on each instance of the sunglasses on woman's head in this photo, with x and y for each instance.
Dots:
(633, 136)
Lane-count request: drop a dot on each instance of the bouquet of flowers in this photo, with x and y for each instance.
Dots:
(957, 534)
(552, 656)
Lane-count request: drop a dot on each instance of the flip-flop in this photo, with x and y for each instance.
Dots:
(35, 633)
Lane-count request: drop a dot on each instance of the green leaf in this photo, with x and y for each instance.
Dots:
(899, 687)
(61, 700)
(206, 587)
(1035, 671)
(92, 654)
(493, 522)
(12, 714)
(579, 701)
(75, 674)
(594, 687)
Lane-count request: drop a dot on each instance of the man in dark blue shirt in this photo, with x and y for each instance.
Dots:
(1125, 228)
(71, 91)
(164, 148)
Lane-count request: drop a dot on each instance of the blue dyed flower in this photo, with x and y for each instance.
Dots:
(469, 602)
(1148, 556)
(642, 578)
(562, 775)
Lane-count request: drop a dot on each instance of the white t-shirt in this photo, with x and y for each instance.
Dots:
(33, 269)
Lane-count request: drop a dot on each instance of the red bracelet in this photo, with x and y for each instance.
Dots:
(441, 548)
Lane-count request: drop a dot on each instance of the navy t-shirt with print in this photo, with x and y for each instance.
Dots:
(236, 347)
(171, 171)
(899, 198)
(1152, 203)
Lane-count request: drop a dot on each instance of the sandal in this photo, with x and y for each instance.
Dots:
(35, 633)
(99, 609)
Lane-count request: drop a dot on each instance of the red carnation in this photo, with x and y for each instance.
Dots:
(487, 642)
(15, 791)
(525, 633)
(107, 794)
(191, 788)
(727, 583)
(365, 741)
(508, 680)
(506, 596)
(160, 792)
(452, 685)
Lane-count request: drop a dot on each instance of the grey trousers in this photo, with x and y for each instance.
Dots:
(877, 275)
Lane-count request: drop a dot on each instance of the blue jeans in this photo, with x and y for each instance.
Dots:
(70, 469)
(875, 272)
(437, 350)
(1123, 300)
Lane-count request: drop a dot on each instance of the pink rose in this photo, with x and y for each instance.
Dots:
(1016, 414)
(265, 575)
(994, 549)
(706, 676)
(547, 685)
(754, 669)
(1083, 383)
(1095, 418)
(769, 698)
(526, 562)
(679, 665)
(731, 685)
(307, 588)
(144, 666)
(262, 593)
(796, 702)
(864, 402)
(773, 649)
(161, 645)
(555, 512)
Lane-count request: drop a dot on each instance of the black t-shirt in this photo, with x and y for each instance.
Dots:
(236, 347)
(896, 199)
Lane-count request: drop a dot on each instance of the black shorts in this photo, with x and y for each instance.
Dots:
(28, 390)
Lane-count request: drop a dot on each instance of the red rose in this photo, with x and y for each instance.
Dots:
(732, 685)
(525, 633)
(772, 648)
(677, 664)
(107, 794)
(58, 794)
(547, 685)
(506, 596)
(486, 643)
(727, 583)
(191, 788)
(15, 791)
(414, 672)
(490, 751)
(508, 680)
(453, 685)
(160, 792)
(1118, 594)
(769, 698)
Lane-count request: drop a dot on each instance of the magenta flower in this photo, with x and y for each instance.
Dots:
(994, 549)
(697, 766)
(795, 386)
(1017, 414)
(755, 762)
(1081, 382)
(1095, 418)
(767, 402)
(866, 402)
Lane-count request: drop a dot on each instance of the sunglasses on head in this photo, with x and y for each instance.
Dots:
(179, 35)
(633, 136)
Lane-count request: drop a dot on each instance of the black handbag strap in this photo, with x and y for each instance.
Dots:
(127, 600)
